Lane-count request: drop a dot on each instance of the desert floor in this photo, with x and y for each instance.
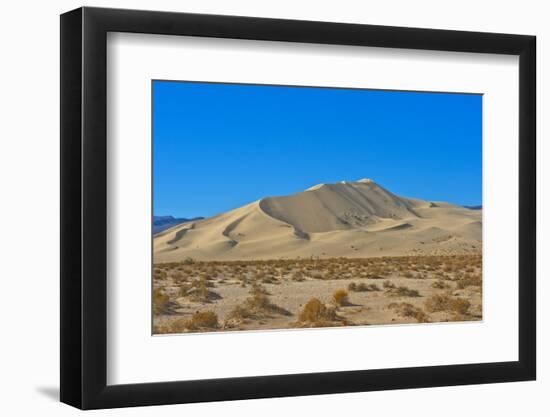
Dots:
(206, 296)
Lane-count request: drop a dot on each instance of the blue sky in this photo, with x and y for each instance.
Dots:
(220, 146)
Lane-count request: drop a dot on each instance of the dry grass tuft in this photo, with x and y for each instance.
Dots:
(362, 287)
(160, 301)
(258, 289)
(402, 291)
(317, 314)
(256, 307)
(200, 321)
(408, 310)
(340, 297)
(388, 285)
(159, 274)
(203, 320)
(468, 280)
(198, 291)
(447, 303)
(298, 276)
(440, 285)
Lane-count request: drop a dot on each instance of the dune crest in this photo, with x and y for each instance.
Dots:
(351, 219)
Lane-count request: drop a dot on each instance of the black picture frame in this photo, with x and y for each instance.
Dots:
(84, 207)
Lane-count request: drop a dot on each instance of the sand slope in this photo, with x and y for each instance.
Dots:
(353, 219)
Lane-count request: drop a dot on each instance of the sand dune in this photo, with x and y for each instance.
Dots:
(352, 219)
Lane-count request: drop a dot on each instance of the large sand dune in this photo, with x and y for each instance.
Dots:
(351, 219)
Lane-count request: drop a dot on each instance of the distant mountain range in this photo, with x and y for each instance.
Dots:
(351, 219)
(161, 223)
(474, 207)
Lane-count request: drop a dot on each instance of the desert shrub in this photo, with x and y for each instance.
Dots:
(440, 285)
(445, 302)
(160, 301)
(443, 276)
(317, 275)
(315, 311)
(159, 274)
(270, 279)
(198, 291)
(258, 301)
(240, 313)
(408, 310)
(376, 270)
(200, 294)
(257, 306)
(188, 261)
(408, 274)
(205, 280)
(340, 297)
(178, 276)
(437, 302)
(260, 275)
(469, 280)
(362, 287)
(238, 316)
(403, 291)
(374, 276)
(160, 329)
(298, 276)
(184, 287)
(203, 320)
(388, 285)
(460, 306)
(258, 289)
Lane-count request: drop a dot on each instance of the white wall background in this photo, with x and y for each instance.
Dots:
(29, 177)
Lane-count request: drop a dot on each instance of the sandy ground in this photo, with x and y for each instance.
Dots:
(287, 286)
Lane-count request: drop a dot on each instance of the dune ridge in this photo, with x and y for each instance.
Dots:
(350, 219)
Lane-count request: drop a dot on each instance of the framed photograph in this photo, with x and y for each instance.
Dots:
(259, 208)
